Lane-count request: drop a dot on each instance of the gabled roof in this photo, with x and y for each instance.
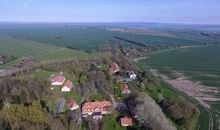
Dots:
(96, 106)
(58, 78)
(114, 68)
(72, 103)
(60, 105)
(126, 121)
(68, 84)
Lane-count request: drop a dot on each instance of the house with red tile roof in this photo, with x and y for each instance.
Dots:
(126, 121)
(67, 86)
(125, 89)
(58, 80)
(90, 108)
(72, 105)
(114, 68)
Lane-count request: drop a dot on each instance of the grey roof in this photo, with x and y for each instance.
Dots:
(60, 105)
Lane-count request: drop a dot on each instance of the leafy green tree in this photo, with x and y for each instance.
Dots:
(83, 79)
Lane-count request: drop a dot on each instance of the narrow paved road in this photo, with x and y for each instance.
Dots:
(114, 103)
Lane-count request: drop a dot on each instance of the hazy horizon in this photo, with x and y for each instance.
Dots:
(110, 11)
(124, 22)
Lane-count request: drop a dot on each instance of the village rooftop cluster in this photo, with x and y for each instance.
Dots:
(96, 109)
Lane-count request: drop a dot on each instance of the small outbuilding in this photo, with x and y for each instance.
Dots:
(125, 89)
(126, 121)
(132, 75)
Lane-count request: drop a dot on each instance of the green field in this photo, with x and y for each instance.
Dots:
(87, 37)
(197, 63)
(48, 42)
(20, 48)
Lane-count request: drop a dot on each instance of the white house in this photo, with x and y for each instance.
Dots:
(72, 105)
(58, 80)
(68, 85)
(132, 75)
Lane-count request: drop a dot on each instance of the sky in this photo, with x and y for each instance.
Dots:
(165, 11)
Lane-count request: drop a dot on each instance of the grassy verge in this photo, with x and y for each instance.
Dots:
(110, 123)
(96, 97)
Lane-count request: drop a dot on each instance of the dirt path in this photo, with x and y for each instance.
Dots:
(201, 93)
(114, 103)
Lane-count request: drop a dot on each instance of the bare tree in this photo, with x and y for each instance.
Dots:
(150, 115)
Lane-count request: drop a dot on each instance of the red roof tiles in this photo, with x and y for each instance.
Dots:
(68, 84)
(72, 104)
(114, 68)
(58, 78)
(96, 106)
